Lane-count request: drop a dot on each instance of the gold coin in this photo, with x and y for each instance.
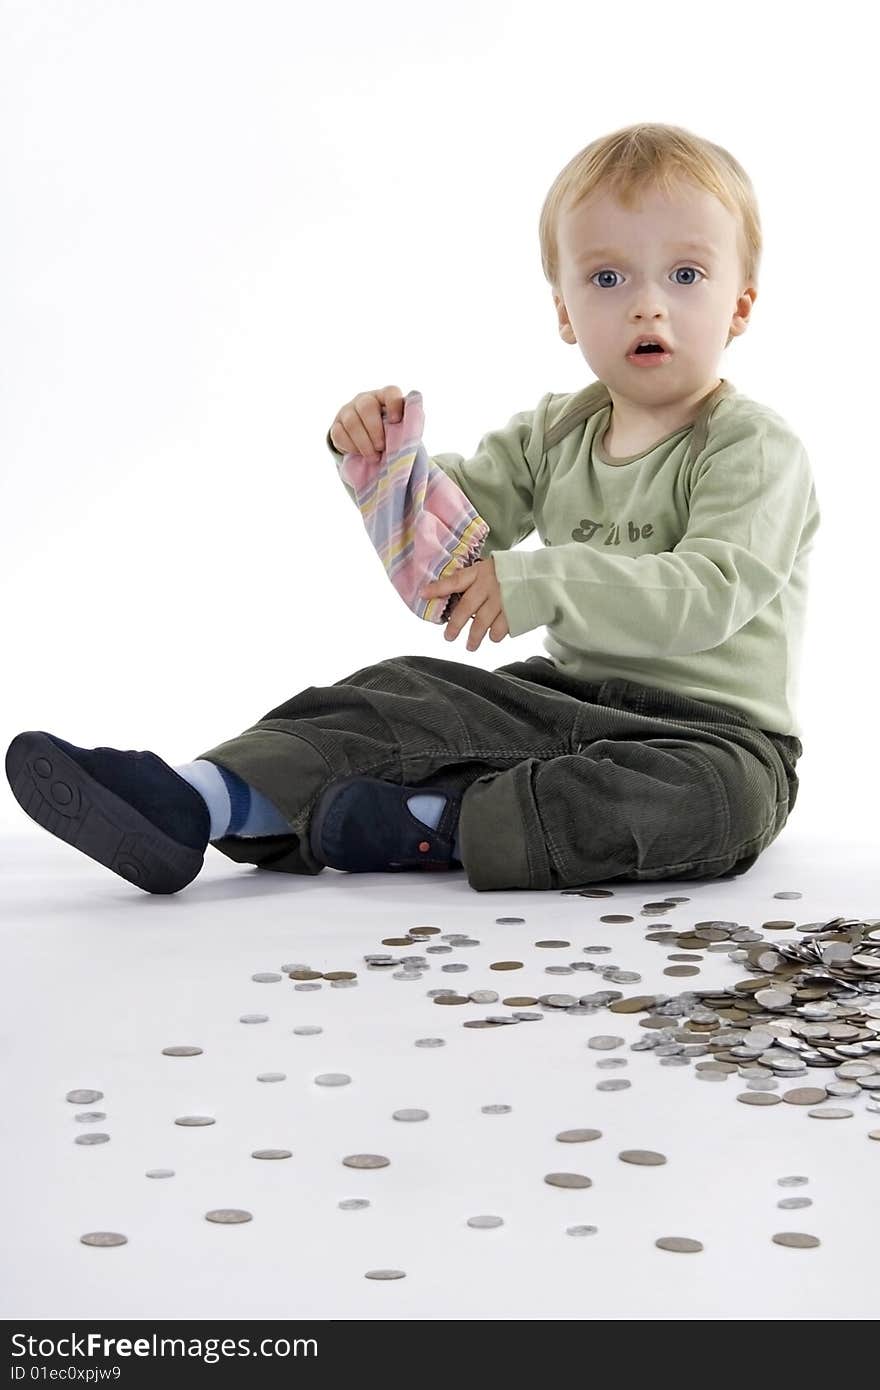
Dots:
(304, 974)
(778, 926)
(805, 1095)
(633, 1005)
(551, 945)
(452, 999)
(424, 931)
(679, 971)
(506, 965)
(340, 975)
(519, 1001)
(398, 940)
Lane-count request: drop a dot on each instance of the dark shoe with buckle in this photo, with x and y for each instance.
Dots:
(129, 810)
(363, 825)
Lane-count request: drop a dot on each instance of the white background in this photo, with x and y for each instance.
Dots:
(220, 221)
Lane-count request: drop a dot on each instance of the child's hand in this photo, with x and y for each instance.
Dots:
(359, 425)
(480, 600)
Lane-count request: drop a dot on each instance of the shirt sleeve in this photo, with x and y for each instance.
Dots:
(750, 500)
(499, 479)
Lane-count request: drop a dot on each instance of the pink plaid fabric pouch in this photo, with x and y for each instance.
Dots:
(420, 522)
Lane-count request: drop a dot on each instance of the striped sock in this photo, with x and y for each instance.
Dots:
(235, 807)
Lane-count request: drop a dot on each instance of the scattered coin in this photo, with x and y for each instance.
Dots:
(410, 1115)
(831, 1112)
(84, 1097)
(633, 1005)
(485, 1223)
(805, 1095)
(308, 1030)
(518, 1001)
(254, 1018)
(104, 1238)
(795, 1180)
(874, 1133)
(612, 917)
(353, 1204)
(228, 1216)
(430, 1042)
(305, 974)
(794, 1203)
(611, 1063)
(332, 1078)
(758, 1098)
(645, 1158)
(568, 1180)
(581, 1230)
(385, 1274)
(194, 1120)
(496, 1109)
(366, 1161)
(181, 1051)
(506, 965)
(90, 1117)
(266, 977)
(92, 1138)
(552, 945)
(483, 996)
(796, 1240)
(682, 1245)
(334, 976)
(160, 1173)
(271, 1153)
(615, 1084)
(578, 1136)
(604, 1042)
(678, 970)
(272, 1076)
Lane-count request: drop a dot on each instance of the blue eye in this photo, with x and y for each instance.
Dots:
(675, 272)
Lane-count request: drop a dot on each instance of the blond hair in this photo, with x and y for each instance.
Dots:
(652, 156)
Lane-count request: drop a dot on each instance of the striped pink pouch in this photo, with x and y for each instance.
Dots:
(420, 522)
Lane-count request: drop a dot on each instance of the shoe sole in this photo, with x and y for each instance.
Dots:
(65, 800)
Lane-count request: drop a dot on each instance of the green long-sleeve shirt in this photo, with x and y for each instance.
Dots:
(684, 566)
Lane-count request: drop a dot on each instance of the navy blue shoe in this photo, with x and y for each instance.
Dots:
(363, 825)
(129, 811)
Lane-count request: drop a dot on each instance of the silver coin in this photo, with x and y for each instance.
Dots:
(604, 1042)
(181, 1051)
(332, 1078)
(272, 1076)
(711, 1075)
(578, 1136)
(485, 1223)
(352, 984)
(682, 1245)
(597, 950)
(794, 1180)
(788, 895)
(615, 1084)
(366, 1161)
(527, 1016)
(675, 1062)
(266, 977)
(483, 996)
(228, 1216)
(607, 1063)
(454, 968)
(508, 921)
(558, 970)
(104, 1238)
(759, 1098)
(581, 1230)
(843, 1088)
(385, 1274)
(410, 1115)
(568, 1180)
(796, 1240)
(353, 1204)
(271, 1153)
(254, 1018)
(794, 1203)
(438, 950)
(194, 1120)
(559, 1001)
(90, 1117)
(831, 1112)
(307, 985)
(308, 1030)
(762, 1083)
(84, 1097)
(643, 1158)
(430, 1042)
(160, 1173)
(496, 1109)
(92, 1138)
(296, 966)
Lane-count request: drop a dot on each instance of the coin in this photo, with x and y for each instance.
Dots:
(272, 1076)
(90, 1117)
(678, 970)
(633, 1005)
(265, 977)
(485, 1223)
(517, 1001)
(506, 965)
(451, 998)
(366, 1161)
(92, 1138)
(385, 1274)
(104, 1238)
(645, 1158)
(611, 1063)
(332, 1078)
(483, 996)
(305, 974)
(568, 1180)
(796, 1240)
(805, 1095)
(254, 1018)
(616, 917)
(228, 1216)
(578, 1136)
(508, 921)
(410, 1115)
(794, 1203)
(308, 1030)
(353, 1204)
(831, 1112)
(430, 1042)
(160, 1173)
(795, 1180)
(581, 1230)
(682, 1245)
(271, 1153)
(615, 1084)
(711, 1075)
(604, 1042)
(758, 1098)
(193, 1120)
(496, 1109)
(84, 1097)
(336, 975)
(181, 1051)
(874, 1133)
(552, 945)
